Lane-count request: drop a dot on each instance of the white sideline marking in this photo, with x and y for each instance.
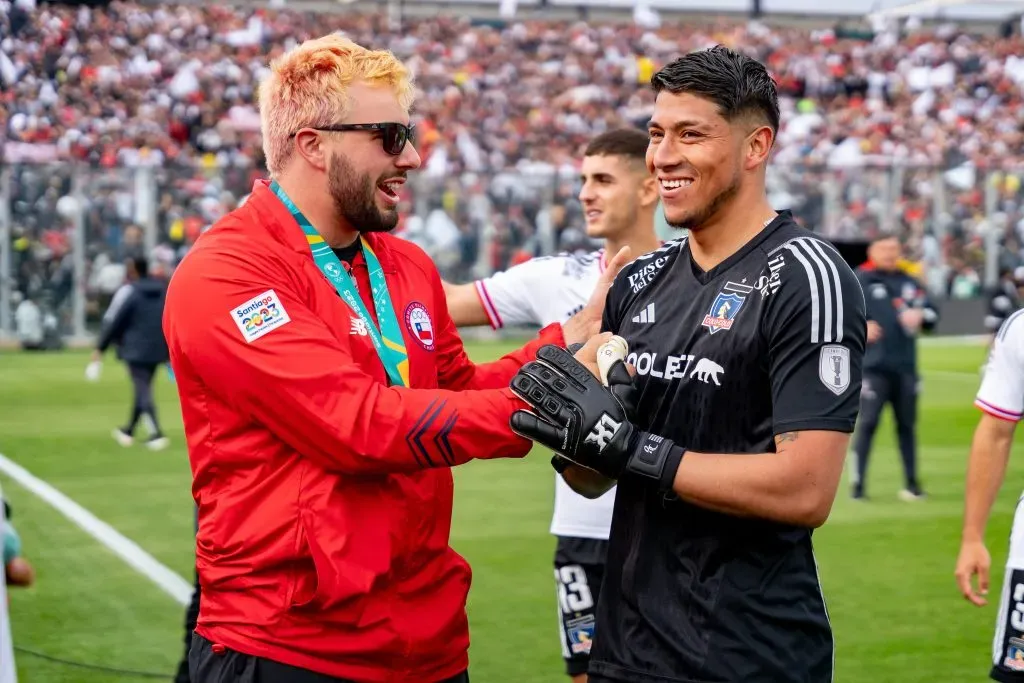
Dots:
(168, 581)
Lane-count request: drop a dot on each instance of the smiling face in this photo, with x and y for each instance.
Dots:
(363, 179)
(697, 157)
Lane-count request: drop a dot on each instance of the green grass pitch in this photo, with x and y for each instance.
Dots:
(886, 566)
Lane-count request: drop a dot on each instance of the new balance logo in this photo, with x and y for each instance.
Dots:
(603, 432)
(358, 327)
(646, 315)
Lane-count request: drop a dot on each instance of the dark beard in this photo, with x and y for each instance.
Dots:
(353, 196)
(702, 215)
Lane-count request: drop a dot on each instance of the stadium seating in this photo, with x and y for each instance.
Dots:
(919, 133)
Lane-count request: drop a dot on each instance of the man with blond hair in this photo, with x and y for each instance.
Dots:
(326, 395)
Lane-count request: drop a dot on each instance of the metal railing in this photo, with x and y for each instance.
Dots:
(66, 229)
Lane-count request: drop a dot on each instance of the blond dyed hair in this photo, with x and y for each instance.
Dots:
(308, 88)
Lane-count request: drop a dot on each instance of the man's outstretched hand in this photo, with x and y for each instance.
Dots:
(587, 423)
(573, 413)
(587, 323)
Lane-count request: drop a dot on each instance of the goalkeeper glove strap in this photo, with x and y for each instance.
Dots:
(655, 458)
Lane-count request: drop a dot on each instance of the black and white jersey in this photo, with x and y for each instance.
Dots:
(539, 292)
(769, 341)
(1002, 388)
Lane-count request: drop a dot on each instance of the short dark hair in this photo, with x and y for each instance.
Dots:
(141, 266)
(620, 142)
(738, 84)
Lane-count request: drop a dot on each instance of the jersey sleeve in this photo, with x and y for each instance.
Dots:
(508, 296)
(1002, 389)
(297, 379)
(816, 327)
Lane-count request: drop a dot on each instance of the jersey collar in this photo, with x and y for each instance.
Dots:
(281, 226)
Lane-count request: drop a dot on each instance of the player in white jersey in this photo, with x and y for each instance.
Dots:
(619, 199)
(1001, 398)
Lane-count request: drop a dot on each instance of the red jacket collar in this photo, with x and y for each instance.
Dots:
(282, 226)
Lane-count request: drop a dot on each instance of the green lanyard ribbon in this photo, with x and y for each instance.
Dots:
(388, 340)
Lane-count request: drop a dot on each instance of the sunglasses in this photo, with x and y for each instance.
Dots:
(394, 136)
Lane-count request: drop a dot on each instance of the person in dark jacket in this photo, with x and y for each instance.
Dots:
(137, 329)
(897, 310)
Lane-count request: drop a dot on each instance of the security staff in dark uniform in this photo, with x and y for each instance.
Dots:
(728, 444)
(897, 310)
(137, 327)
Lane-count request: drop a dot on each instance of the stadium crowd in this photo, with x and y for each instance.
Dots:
(921, 133)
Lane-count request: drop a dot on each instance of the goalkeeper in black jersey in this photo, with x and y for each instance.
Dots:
(729, 442)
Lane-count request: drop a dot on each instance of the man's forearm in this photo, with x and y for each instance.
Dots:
(986, 467)
(764, 485)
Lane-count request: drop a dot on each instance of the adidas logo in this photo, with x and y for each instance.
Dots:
(646, 315)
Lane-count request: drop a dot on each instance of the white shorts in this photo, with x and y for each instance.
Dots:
(1008, 644)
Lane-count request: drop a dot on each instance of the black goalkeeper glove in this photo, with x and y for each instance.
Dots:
(585, 422)
(620, 383)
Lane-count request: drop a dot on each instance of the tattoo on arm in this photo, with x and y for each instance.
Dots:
(784, 438)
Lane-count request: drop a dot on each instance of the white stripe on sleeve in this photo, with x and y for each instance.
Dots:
(826, 293)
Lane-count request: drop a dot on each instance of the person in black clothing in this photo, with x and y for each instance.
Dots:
(897, 310)
(137, 328)
(728, 444)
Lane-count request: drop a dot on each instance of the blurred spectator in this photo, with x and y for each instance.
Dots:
(28, 323)
(36, 330)
(919, 133)
(17, 570)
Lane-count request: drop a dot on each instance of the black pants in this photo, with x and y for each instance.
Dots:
(228, 666)
(191, 619)
(142, 386)
(899, 389)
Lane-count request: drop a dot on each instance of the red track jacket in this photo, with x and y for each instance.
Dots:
(325, 496)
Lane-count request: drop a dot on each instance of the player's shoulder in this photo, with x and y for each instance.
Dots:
(794, 238)
(1012, 330)
(561, 267)
(573, 264)
(803, 260)
(225, 250)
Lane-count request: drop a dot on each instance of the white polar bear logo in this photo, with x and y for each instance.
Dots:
(707, 369)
